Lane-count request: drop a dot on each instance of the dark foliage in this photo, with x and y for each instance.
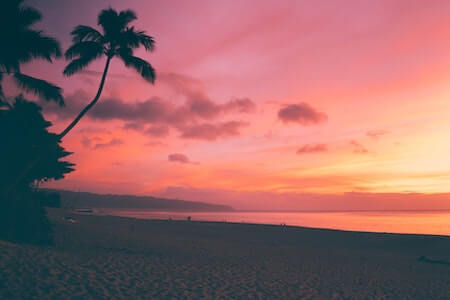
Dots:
(23, 219)
(48, 199)
(21, 43)
(116, 39)
(24, 137)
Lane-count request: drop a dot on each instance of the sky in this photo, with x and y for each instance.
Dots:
(318, 105)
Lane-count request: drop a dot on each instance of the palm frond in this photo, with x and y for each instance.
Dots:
(11, 6)
(27, 16)
(78, 64)
(8, 65)
(86, 33)
(145, 40)
(1, 89)
(134, 39)
(20, 42)
(36, 45)
(40, 88)
(126, 16)
(85, 49)
(28, 45)
(4, 103)
(125, 51)
(114, 24)
(141, 66)
(107, 19)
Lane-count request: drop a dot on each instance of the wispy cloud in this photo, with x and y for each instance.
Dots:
(358, 148)
(375, 134)
(97, 143)
(208, 131)
(301, 113)
(180, 158)
(312, 148)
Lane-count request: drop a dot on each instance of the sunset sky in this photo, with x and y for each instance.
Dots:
(257, 104)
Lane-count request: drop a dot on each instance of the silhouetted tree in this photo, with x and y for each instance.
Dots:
(20, 43)
(117, 40)
(24, 135)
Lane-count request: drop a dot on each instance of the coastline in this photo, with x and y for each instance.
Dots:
(116, 257)
(404, 222)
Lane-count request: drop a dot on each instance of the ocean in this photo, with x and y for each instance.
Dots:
(413, 222)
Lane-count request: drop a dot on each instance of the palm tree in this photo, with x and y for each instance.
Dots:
(21, 44)
(117, 40)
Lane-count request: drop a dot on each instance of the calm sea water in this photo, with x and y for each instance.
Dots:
(423, 222)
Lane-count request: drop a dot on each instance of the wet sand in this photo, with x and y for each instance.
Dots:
(102, 257)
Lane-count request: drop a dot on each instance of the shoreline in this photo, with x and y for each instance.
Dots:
(272, 225)
(308, 219)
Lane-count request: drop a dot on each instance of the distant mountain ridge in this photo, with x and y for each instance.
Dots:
(92, 200)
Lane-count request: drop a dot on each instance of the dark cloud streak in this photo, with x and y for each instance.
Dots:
(301, 113)
(157, 131)
(179, 158)
(154, 117)
(91, 143)
(210, 132)
(316, 148)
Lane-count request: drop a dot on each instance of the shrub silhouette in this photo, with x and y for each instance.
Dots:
(24, 135)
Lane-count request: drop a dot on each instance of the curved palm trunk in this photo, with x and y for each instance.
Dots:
(90, 105)
(63, 133)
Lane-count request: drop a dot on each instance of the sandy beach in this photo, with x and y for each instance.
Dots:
(103, 257)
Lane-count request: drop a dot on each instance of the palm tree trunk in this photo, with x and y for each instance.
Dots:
(90, 105)
(34, 162)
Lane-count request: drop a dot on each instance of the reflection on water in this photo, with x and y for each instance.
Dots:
(385, 221)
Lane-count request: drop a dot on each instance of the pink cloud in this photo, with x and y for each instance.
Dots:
(111, 143)
(134, 126)
(178, 157)
(88, 142)
(157, 131)
(301, 113)
(241, 105)
(375, 134)
(155, 116)
(210, 132)
(308, 148)
(96, 143)
(358, 148)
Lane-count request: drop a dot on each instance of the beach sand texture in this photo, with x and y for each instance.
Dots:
(102, 257)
